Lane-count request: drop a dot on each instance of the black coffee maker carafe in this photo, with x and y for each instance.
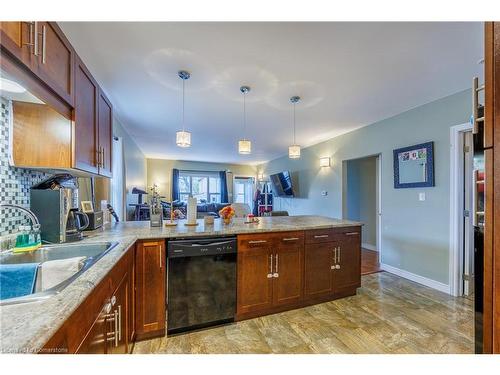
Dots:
(77, 221)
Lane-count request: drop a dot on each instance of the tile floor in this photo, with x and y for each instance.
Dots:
(388, 315)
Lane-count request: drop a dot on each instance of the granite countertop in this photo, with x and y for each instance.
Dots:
(26, 327)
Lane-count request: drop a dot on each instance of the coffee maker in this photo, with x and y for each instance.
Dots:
(55, 202)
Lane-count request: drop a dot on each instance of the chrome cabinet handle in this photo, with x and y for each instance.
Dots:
(257, 241)
(276, 274)
(120, 322)
(351, 233)
(35, 41)
(290, 238)
(321, 236)
(44, 38)
(98, 161)
(116, 328)
(102, 157)
(270, 274)
(30, 43)
(340, 251)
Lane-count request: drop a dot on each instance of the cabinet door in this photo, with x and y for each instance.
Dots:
(55, 60)
(86, 95)
(150, 293)
(288, 276)
(318, 261)
(119, 324)
(105, 125)
(96, 341)
(18, 38)
(255, 282)
(347, 272)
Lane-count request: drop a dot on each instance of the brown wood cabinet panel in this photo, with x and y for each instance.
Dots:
(96, 341)
(288, 284)
(105, 126)
(86, 101)
(36, 122)
(255, 282)
(150, 292)
(55, 61)
(347, 271)
(319, 236)
(318, 260)
(15, 37)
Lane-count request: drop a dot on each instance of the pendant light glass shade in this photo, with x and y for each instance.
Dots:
(183, 138)
(294, 151)
(244, 146)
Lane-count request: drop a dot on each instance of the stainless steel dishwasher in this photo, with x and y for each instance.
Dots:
(201, 283)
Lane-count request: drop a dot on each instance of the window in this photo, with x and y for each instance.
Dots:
(204, 186)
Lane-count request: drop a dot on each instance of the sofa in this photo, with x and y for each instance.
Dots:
(202, 209)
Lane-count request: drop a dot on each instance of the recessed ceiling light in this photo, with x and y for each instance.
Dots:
(10, 86)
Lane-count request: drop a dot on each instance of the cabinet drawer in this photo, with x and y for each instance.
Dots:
(254, 241)
(290, 238)
(320, 235)
(347, 233)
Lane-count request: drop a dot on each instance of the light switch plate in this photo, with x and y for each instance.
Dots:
(324, 193)
(421, 196)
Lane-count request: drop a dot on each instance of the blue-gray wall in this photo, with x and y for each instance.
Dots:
(415, 234)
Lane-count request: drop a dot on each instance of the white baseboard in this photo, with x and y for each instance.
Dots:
(417, 278)
(369, 247)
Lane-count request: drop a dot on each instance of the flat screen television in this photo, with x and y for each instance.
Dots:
(282, 184)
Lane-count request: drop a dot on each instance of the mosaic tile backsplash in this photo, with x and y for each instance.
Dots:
(14, 182)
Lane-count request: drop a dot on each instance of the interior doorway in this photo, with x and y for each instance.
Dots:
(243, 190)
(461, 208)
(361, 201)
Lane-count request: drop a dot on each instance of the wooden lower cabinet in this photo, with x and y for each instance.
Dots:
(100, 325)
(150, 276)
(255, 283)
(281, 271)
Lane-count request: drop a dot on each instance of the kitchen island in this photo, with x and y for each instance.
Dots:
(321, 254)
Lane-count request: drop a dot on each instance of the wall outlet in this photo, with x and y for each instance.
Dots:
(324, 193)
(421, 196)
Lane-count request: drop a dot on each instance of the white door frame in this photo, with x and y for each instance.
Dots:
(378, 219)
(456, 194)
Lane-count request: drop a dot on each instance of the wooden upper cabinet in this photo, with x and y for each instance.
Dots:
(105, 126)
(18, 39)
(86, 126)
(150, 279)
(55, 60)
(347, 272)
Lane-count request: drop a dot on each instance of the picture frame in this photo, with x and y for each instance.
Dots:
(87, 206)
(414, 166)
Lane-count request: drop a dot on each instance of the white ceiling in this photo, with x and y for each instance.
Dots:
(348, 74)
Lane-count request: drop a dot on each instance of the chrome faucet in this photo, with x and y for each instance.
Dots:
(28, 212)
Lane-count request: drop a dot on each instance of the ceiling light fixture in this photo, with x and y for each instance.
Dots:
(294, 149)
(244, 145)
(11, 86)
(182, 137)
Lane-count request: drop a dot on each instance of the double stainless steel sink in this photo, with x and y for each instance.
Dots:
(89, 252)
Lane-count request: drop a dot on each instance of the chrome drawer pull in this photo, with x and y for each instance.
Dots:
(321, 236)
(290, 238)
(276, 274)
(270, 274)
(351, 233)
(257, 241)
(116, 328)
(119, 322)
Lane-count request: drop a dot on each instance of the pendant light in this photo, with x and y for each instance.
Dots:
(182, 137)
(244, 145)
(294, 149)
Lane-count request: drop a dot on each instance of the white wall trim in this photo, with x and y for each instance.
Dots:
(417, 278)
(369, 246)
(455, 256)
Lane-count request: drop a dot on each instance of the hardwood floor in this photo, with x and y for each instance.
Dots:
(388, 315)
(369, 262)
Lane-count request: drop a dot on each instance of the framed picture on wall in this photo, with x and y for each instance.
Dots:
(414, 166)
